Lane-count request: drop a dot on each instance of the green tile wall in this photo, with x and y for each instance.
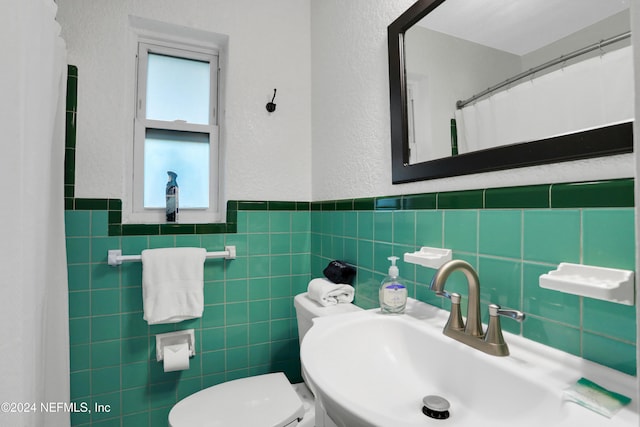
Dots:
(511, 235)
(248, 326)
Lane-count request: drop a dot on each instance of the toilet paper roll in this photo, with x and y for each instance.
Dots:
(176, 357)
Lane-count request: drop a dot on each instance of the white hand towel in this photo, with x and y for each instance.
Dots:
(172, 284)
(327, 293)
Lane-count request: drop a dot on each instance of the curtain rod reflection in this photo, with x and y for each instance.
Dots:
(559, 60)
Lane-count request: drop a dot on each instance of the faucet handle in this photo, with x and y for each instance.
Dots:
(455, 321)
(495, 310)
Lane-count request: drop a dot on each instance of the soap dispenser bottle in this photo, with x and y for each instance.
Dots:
(393, 291)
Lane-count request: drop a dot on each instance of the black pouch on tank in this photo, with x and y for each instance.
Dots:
(340, 272)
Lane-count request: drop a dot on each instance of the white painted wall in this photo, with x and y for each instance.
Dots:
(268, 156)
(350, 112)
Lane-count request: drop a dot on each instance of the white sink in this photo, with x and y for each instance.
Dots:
(371, 369)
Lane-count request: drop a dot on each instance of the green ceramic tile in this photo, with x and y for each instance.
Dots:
(460, 230)
(259, 332)
(419, 201)
(281, 206)
(79, 330)
(532, 196)
(105, 328)
(252, 206)
(614, 354)
(280, 265)
(300, 222)
(614, 193)
(237, 268)
(280, 329)
(383, 226)
(258, 288)
(281, 308)
(70, 162)
(545, 303)
(79, 357)
(79, 304)
(300, 243)
(78, 277)
(213, 339)
(429, 228)
(136, 350)
(280, 287)
(259, 266)
(470, 199)
(105, 353)
(214, 315)
(80, 384)
(78, 250)
(135, 420)
(501, 233)
(364, 204)
(133, 325)
(500, 282)
(316, 206)
(279, 222)
(92, 204)
(259, 355)
(236, 336)
(77, 223)
(388, 203)
(213, 362)
(556, 335)
(404, 227)
(177, 228)
(105, 380)
(552, 236)
(609, 238)
(328, 205)
(237, 358)
(258, 222)
(104, 276)
(259, 311)
(99, 223)
(236, 313)
(280, 243)
(140, 229)
(115, 217)
(211, 228)
(188, 241)
(610, 319)
(105, 301)
(100, 247)
(135, 399)
(344, 205)
(236, 290)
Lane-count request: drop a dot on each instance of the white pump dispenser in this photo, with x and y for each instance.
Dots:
(393, 291)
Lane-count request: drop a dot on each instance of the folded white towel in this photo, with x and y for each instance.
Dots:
(328, 293)
(172, 284)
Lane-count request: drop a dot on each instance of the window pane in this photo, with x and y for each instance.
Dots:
(185, 153)
(177, 89)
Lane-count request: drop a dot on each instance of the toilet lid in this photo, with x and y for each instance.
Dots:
(262, 401)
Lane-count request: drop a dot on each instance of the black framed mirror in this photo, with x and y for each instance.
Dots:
(595, 142)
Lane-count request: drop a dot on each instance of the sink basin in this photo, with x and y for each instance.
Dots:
(371, 369)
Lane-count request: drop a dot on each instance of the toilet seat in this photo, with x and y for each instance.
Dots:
(266, 400)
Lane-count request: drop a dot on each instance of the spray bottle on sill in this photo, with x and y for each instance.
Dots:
(393, 291)
(172, 194)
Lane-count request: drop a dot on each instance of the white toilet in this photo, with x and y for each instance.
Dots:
(267, 400)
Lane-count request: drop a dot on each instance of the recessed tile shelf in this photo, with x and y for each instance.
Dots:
(607, 284)
(429, 257)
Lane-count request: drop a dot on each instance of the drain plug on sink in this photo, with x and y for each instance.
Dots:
(436, 407)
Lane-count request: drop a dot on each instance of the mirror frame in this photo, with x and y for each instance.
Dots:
(604, 141)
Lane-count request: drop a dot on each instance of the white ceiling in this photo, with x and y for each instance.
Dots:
(531, 24)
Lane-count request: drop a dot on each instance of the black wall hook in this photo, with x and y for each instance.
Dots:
(271, 107)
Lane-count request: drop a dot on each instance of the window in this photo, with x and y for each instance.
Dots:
(176, 129)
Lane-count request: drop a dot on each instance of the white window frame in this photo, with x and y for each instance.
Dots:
(164, 46)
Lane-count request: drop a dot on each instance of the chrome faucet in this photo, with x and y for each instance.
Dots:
(471, 333)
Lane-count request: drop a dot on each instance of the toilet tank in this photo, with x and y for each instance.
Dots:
(307, 309)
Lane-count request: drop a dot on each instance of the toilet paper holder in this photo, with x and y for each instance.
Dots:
(175, 338)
